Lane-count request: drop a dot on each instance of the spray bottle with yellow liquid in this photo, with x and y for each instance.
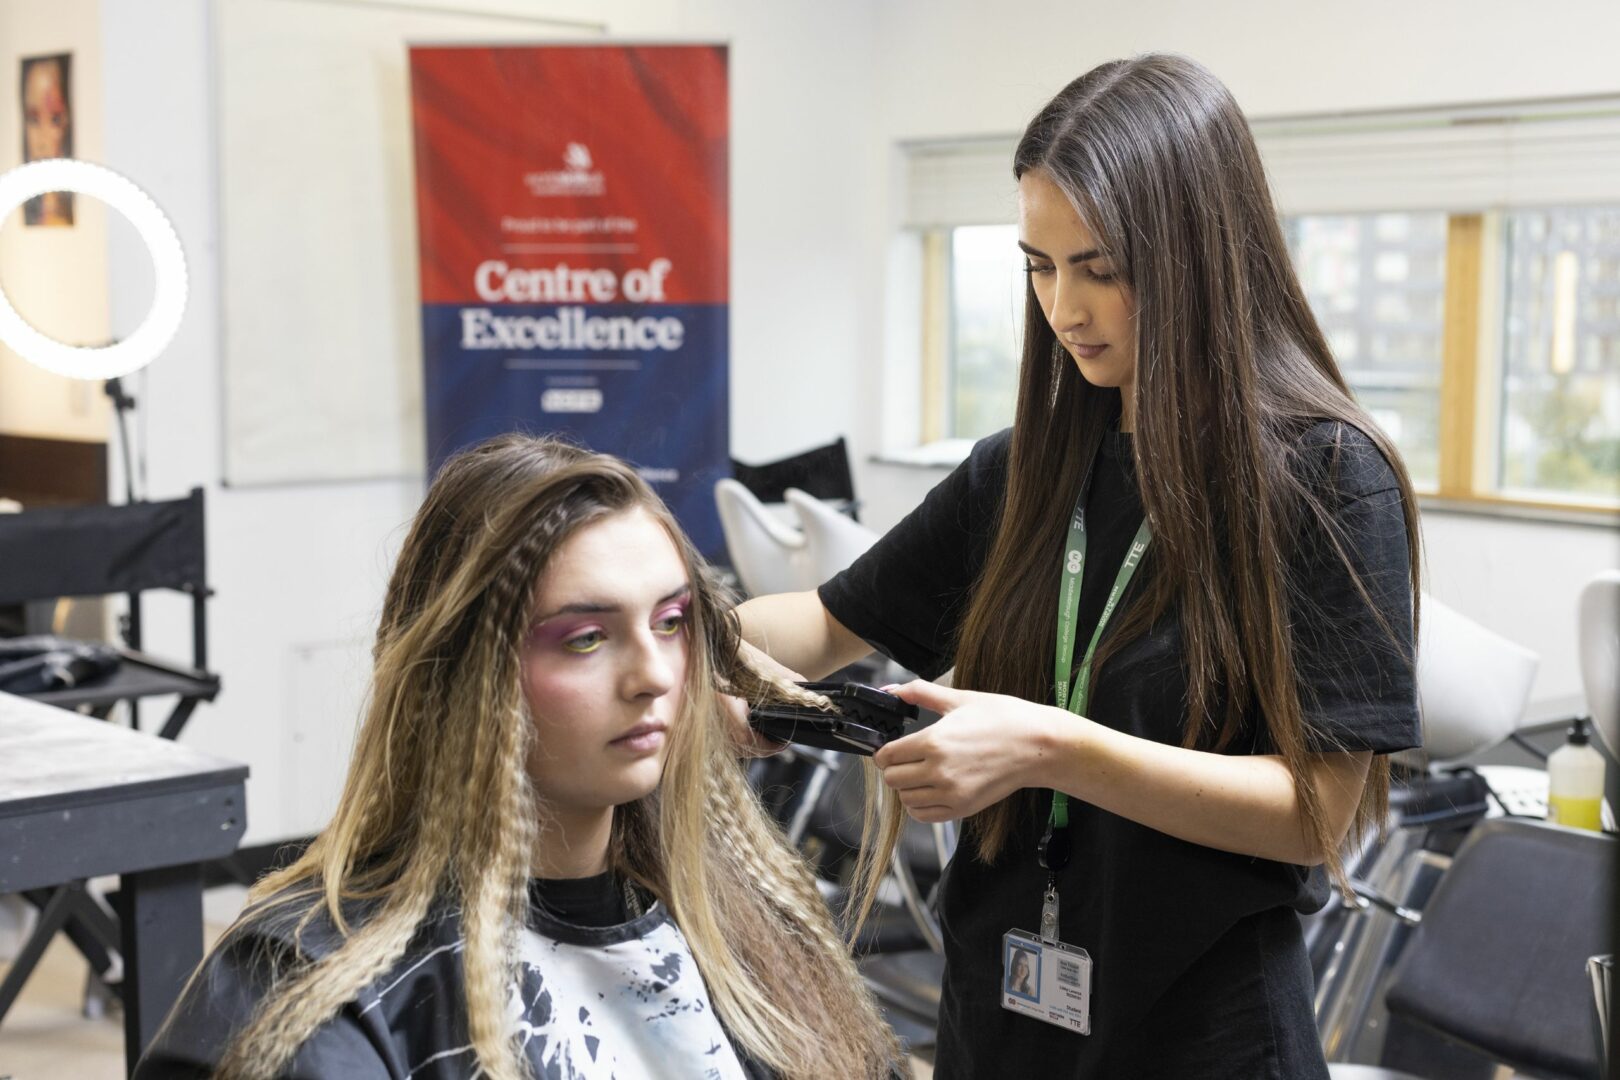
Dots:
(1575, 781)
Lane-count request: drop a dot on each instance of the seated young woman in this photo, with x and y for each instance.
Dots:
(546, 860)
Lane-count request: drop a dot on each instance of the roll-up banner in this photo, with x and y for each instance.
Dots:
(572, 224)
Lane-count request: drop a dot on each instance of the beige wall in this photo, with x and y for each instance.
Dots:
(56, 277)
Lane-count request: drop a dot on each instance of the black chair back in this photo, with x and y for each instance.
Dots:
(1499, 961)
(822, 471)
(97, 550)
(79, 551)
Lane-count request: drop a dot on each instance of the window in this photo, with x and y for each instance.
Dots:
(987, 320)
(1560, 400)
(1377, 285)
(1463, 264)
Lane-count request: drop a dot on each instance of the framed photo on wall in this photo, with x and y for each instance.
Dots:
(47, 108)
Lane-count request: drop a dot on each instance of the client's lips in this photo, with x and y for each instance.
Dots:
(643, 738)
(1090, 352)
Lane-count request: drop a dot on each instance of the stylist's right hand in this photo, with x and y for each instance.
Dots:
(982, 749)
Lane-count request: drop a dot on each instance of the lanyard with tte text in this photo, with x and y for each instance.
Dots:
(1054, 847)
(1044, 978)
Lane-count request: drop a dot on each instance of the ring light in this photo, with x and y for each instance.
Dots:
(168, 259)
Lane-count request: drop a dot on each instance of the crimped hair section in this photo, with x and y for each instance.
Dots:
(748, 905)
(498, 813)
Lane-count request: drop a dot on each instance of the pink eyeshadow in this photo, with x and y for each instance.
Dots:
(560, 630)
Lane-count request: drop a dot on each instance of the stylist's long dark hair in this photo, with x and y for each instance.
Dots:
(1231, 369)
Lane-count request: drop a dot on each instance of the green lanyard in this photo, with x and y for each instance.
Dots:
(1074, 567)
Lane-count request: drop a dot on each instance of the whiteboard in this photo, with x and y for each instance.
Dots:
(321, 371)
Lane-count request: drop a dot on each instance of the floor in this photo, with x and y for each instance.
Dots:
(45, 1037)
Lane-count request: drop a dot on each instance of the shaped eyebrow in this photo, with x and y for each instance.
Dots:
(1073, 260)
(597, 607)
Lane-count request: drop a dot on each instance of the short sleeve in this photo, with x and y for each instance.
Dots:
(1351, 602)
(906, 595)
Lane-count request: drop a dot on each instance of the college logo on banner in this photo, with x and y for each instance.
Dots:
(572, 212)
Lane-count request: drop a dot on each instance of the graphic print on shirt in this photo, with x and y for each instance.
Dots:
(620, 1010)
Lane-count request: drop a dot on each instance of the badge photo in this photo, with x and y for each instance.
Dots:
(1022, 965)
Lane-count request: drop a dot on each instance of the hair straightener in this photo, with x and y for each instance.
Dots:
(864, 720)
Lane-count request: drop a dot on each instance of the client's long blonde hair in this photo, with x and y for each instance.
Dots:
(438, 808)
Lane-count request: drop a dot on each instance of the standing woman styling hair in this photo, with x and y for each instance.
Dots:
(546, 860)
(1180, 599)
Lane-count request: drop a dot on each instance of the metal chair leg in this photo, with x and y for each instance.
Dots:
(51, 918)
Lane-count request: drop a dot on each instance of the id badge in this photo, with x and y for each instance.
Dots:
(1048, 980)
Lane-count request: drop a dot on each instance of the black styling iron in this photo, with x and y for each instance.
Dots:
(865, 719)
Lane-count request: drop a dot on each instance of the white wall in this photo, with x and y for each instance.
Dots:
(56, 277)
(820, 92)
(961, 66)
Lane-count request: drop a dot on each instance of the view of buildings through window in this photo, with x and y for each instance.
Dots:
(1377, 285)
(1560, 411)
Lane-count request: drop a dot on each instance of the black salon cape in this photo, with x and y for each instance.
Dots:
(1199, 964)
(411, 1022)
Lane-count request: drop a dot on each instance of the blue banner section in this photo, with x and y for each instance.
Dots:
(648, 383)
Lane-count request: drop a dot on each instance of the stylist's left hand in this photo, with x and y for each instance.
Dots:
(747, 742)
(982, 749)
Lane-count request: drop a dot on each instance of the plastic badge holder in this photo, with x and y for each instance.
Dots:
(866, 719)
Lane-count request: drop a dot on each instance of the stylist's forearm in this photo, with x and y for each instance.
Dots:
(1245, 804)
(796, 630)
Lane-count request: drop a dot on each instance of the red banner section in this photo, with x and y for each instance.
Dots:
(572, 214)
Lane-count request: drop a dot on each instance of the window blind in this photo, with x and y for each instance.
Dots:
(1460, 159)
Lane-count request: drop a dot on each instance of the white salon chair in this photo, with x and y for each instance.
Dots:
(832, 538)
(1599, 637)
(769, 555)
(1473, 683)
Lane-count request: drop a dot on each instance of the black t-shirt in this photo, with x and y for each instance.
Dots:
(1199, 967)
(588, 901)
